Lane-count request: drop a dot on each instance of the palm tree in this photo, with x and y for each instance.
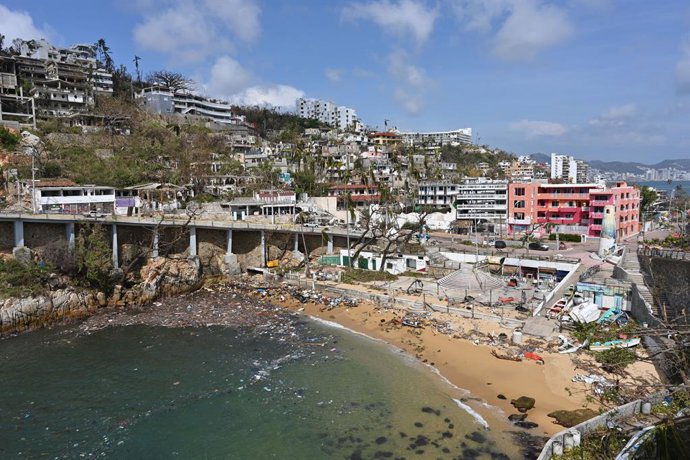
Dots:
(104, 54)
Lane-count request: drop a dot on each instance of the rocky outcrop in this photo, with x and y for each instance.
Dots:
(162, 277)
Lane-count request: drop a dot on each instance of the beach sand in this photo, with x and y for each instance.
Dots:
(471, 366)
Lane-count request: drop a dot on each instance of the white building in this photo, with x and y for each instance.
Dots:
(342, 117)
(436, 194)
(456, 137)
(64, 196)
(482, 199)
(569, 169)
(161, 100)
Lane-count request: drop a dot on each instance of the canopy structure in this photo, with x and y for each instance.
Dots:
(470, 280)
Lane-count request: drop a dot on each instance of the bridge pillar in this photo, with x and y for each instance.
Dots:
(330, 243)
(69, 233)
(228, 239)
(18, 234)
(296, 250)
(116, 259)
(192, 241)
(155, 243)
(232, 266)
(263, 248)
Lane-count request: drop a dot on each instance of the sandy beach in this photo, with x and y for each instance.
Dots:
(469, 364)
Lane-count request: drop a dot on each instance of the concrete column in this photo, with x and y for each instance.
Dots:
(330, 243)
(155, 244)
(69, 230)
(263, 248)
(296, 250)
(192, 241)
(116, 259)
(18, 234)
(228, 249)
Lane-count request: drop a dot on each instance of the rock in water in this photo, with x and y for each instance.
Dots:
(570, 418)
(527, 425)
(523, 403)
(517, 417)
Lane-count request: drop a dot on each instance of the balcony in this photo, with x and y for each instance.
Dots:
(596, 227)
(563, 196)
(596, 215)
(600, 202)
(519, 221)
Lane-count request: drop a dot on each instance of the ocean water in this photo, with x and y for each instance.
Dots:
(219, 393)
(666, 186)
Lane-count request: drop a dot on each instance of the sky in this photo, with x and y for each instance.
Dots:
(597, 79)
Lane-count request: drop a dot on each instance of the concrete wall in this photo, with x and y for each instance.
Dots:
(6, 236)
(39, 235)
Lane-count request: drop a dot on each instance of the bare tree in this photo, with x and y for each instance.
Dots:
(172, 80)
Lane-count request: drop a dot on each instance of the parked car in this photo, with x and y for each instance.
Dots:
(311, 225)
(500, 244)
(94, 214)
(538, 246)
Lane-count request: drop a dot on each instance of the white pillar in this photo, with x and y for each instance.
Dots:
(192, 241)
(69, 229)
(228, 249)
(263, 248)
(155, 243)
(296, 243)
(18, 234)
(330, 243)
(116, 260)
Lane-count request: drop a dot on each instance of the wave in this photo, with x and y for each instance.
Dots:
(478, 418)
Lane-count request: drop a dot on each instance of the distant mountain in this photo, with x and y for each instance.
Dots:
(623, 166)
(540, 157)
(619, 166)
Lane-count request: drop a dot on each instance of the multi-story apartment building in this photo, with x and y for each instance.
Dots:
(360, 195)
(571, 208)
(568, 169)
(482, 199)
(62, 81)
(341, 117)
(626, 201)
(436, 194)
(455, 137)
(161, 100)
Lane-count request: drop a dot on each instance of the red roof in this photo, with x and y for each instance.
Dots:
(366, 197)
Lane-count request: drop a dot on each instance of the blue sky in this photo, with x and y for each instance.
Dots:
(598, 79)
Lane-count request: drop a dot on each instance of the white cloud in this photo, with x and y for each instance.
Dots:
(401, 17)
(525, 28)
(407, 73)
(533, 128)
(334, 75)
(270, 95)
(228, 77)
(412, 82)
(191, 30)
(620, 111)
(241, 15)
(683, 68)
(19, 24)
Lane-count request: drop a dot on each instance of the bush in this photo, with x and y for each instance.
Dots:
(569, 237)
(22, 280)
(615, 360)
(8, 139)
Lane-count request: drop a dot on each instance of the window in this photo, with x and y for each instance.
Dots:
(519, 204)
(519, 191)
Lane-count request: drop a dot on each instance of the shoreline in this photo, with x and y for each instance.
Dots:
(460, 356)
(467, 364)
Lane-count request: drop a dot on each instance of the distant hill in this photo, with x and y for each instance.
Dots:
(623, 166)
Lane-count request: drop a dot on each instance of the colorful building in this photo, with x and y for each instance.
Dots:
(571, 208)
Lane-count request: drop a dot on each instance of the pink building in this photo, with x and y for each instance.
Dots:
(571, 208)
(626, 200)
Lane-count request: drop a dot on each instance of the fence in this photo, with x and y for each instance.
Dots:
(676, 254)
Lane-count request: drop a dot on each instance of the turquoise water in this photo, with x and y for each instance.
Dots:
(152, 392)
(665, 185)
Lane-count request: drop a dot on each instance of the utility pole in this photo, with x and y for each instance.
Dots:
(33, 181)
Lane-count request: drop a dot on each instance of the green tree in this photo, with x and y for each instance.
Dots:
(94, 257)
(648, 196)
(104, 55)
